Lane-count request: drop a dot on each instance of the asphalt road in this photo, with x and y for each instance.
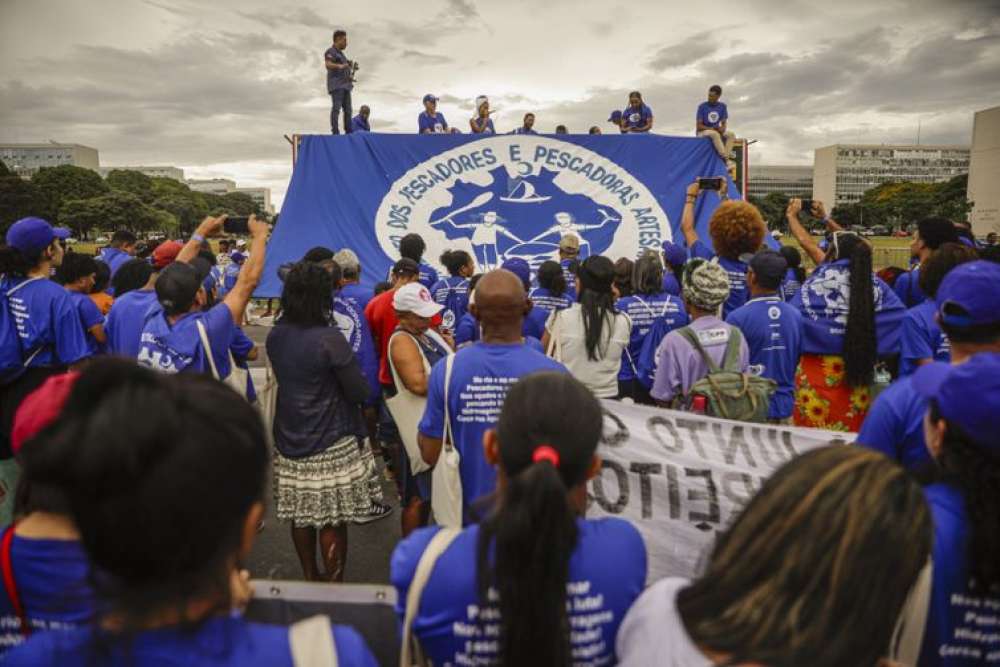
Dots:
(368, 547)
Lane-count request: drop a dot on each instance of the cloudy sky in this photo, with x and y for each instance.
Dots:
(213, 86)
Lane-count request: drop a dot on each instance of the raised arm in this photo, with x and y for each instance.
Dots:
(820, 211)
(803, 237)
(208, 228)
(249, 277)
(687, 218)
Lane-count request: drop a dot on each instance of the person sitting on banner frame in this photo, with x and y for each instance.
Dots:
(637, 117)
(710, 121)
(361, 123)
(481, 123)
(821, 587)
(534, 567)
(430, 120)
(527, 126)
(170, 584)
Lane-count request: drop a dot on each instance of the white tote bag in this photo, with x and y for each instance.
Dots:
(446, 483)
(410, 651)
(407, 409)
(555, 341)
(237, 378)
(311, 642)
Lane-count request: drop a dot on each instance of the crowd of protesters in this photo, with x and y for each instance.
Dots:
(134, 464)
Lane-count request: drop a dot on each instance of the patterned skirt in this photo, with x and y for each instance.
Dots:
(824, 400)
(335, 486)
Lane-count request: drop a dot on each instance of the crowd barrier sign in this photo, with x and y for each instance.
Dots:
(681, 477)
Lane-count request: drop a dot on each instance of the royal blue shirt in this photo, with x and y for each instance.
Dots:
(790, 286)
(632, 117)
(356, 293)
(524, 130)
(922, 338)
(178, 348)
(712, 115)
(467, 329)
(114, 258)
(735, 269)
(435, 123)
(48, 321)
(350, 319)
(961, 624)
(607, 572)
(360, 124)
(125, 321)
(773, 331)
(895, 425)
(428, 275)
(221, 641)
(487, 129)
(452, 293)
(51, 578)
(670, 284)
(543, 298)
(907, 288)
(644, 310)
(481, 375)
(90, 316)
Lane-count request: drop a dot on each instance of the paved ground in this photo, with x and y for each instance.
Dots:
(368, 549)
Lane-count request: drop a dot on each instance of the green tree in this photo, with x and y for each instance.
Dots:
(113, 211)
(240, 203)
(19, 199)
(66, 182)
(187, 211)
(134, 182)
(772, 208)
(950, 200)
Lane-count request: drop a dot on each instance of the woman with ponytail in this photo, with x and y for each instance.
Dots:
(551, 293)
(590, 336)
(453, 292)
(851, 320)
(535, 570)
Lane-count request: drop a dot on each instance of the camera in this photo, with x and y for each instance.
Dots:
(353, 70)
(713, 183)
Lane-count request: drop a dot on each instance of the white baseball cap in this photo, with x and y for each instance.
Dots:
(415, 298)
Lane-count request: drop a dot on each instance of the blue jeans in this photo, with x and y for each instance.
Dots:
(341, 99)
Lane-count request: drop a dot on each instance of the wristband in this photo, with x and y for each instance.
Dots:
(691, 200)
(198, 237)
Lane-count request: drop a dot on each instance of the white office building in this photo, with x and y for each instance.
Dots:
(212, 186)
(261, 197)
(984, 172)
(844, 172)
(791, 180)
(26, 159)
(175, 173)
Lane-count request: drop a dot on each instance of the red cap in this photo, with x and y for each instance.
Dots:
(166, 253)
(41, 408)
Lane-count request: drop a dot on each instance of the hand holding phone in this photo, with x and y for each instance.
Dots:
(710, 183)
(236, 225)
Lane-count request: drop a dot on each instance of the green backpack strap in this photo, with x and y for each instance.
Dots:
(690, 336)
(731, 360)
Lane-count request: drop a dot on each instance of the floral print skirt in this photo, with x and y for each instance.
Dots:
(823, 399)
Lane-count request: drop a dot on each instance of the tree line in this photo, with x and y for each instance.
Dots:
(81, 200)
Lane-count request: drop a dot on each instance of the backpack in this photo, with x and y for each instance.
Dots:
(645, 365)
(12, 360)
(728, 393)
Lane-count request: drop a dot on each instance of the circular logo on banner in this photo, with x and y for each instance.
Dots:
(517, 196)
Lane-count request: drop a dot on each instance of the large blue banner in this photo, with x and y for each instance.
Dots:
(496, 197)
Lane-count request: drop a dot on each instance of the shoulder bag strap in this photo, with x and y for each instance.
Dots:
(208, 348)
(447, 441)
(392, 367)
(690, 336)
(311, 642)
(8, 579)
(410, 652)
(908, 636)
(731, 359)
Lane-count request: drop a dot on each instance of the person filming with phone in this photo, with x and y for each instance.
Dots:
(339, 81)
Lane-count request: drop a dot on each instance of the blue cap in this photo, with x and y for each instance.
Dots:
(520, 268)
(32, 235)
(969, 295)
(967, 395)
(429, 98)
(615, 116)
(238, 257)
(674, 254)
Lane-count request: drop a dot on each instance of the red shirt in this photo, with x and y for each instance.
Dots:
(382, 319)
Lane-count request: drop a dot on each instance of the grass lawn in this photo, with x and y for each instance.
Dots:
(888, 251)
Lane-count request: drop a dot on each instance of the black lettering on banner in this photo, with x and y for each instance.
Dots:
(673, 492)
(736, 441)
(644, 470)
(618, 506)
(693, 426)
(619, 436)
(764, 446)
(710, 495)
(653, 424)
(731, 480)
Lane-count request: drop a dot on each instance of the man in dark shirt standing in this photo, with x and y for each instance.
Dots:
(338, 81)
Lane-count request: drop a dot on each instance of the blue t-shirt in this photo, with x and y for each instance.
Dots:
(790, 286)
(570, 278)
(90, 316)
(895, 425)
(48, 321)
(773, 331)
(907, 288)
(644, 310)
(350, 319)
(523, 130)
(230, 274)
(435, 123)
(632, 118)
(922, 338)
(428, 275)
(337, 79)
(360, 124)
(481, 375)
(670, 284)
(219, 641)
(356, 293)
(467, 329)
(735, 269)
(488, 129)
(125, 321)
(114, 258)
(452, 293)
(712, 115)
(543, 298)
(51, 580)
(961, 624)
(607, 572)
(178, 348)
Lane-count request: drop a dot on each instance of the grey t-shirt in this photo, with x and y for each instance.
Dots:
(337, 79)
(653, 634)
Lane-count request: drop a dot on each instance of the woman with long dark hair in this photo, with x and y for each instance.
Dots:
(961, 434)
(795, 276)
(590, 336)
(851, 319)
(552, 291)
(528, 576)
(167, 506)
(823, 586)
(624, 267)
(324, 478)
(452, 293)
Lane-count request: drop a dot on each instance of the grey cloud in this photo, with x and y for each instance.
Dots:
(462, 9)
(289, 16)
(691, 50)
(425, 58)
